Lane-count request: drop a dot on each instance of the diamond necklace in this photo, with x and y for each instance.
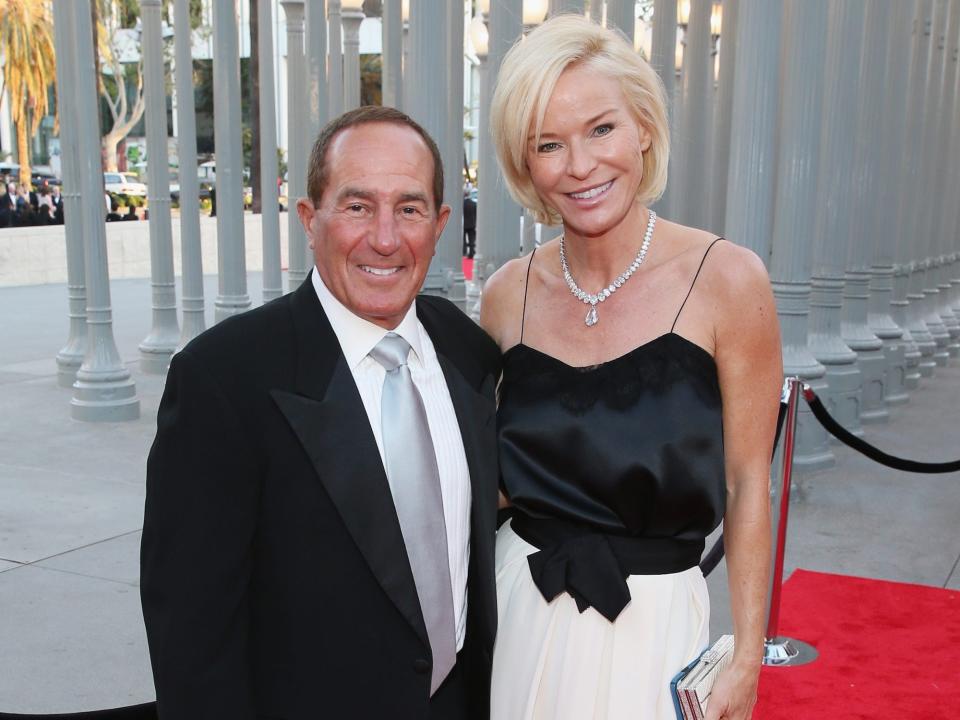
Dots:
(593, 300)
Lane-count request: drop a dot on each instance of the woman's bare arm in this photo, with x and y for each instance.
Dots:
(750, 370)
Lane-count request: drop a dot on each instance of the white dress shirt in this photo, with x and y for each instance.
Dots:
(357, 338)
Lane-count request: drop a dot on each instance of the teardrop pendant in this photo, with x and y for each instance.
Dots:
(592, 316)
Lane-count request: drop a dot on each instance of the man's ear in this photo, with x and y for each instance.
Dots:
(443, 214)
(306, 211)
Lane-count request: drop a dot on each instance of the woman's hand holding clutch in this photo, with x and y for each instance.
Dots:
(734, 694)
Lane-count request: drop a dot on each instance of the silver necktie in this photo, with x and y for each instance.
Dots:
(411, 465)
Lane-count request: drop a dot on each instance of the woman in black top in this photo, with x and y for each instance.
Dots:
(637, 406)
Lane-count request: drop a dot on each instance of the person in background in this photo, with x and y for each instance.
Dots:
(469, 222)
(8, 205)
(25, 213)
(638, 403)
(45, 210)
(56, 198)
(114, 214)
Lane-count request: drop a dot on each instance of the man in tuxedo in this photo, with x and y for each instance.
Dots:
(322, 490)
(56, 198)
(8, 204)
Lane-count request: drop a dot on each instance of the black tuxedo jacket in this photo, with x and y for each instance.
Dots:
(274, 578)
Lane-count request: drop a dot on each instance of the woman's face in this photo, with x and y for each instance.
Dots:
(588, 163)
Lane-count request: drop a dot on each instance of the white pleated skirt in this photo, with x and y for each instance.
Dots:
(551, 662)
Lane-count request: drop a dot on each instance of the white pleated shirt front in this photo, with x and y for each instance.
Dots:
(357, 338)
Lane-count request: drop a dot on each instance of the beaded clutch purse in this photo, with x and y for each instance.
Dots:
(691, 687)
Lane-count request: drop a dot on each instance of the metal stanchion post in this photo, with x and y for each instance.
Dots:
(777, 649)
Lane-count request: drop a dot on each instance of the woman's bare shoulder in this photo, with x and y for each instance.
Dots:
(736, 272)
(502, 300)
(746, 312)
(681, 242)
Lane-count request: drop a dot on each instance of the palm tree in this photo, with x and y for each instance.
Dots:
(26, 36)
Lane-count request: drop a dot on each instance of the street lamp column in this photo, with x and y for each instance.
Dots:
(894, 113)
(315, 18)
(723, 115)
(919, 345)
(622, 14)
(756, 95)
(191, 259)
(429, 68)
(392, 34)
(104, 390)
(160, 344)
(297, 264)
(479, 37)
(566, 6)
(833, 220)
(914, 175)
(335, 66)
(451, 242)
(352, 17)
(946, 125)
(663, 51)
(232, 298)
(931, 150)
(269, 193)
(795, 203)
(71, 355)
(498, 215)
(696, 90)
(951, 227)
(864, 228)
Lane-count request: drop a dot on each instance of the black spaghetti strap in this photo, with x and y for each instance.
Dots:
(699, 268)
(526, 284)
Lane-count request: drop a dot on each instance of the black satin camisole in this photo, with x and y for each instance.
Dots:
(618, 464)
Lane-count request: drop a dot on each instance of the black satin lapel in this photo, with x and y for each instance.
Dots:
(475, 413)
(336, 434)
(475, 416)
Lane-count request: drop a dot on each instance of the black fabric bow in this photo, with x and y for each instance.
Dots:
(585, 567)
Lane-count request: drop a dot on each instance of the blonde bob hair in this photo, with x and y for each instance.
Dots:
(528, 75)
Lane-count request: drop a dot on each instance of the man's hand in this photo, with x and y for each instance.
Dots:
(734, 694)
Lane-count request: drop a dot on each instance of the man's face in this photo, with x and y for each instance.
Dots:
(375, 230)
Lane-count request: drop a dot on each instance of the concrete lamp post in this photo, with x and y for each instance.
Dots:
(190, 249)
(158, 347)
(298, 266)
(335, 58)
(405, 53)
(480, 39)
(104, 390)
(232, 297)
(534, 12)
(351, 15)
(392, 55)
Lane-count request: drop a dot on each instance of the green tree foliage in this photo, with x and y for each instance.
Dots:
(26, 36)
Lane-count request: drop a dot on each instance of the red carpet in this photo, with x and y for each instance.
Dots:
(887, 650)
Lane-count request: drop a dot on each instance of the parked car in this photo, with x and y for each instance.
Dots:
(203, 185)
(207, 175)
(123, 184)
(38, 174)
(41, 175)
(203, 189)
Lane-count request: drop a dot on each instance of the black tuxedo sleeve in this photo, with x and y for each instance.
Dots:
(196, 551)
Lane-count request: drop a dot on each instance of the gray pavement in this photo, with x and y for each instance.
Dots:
(71, 505)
